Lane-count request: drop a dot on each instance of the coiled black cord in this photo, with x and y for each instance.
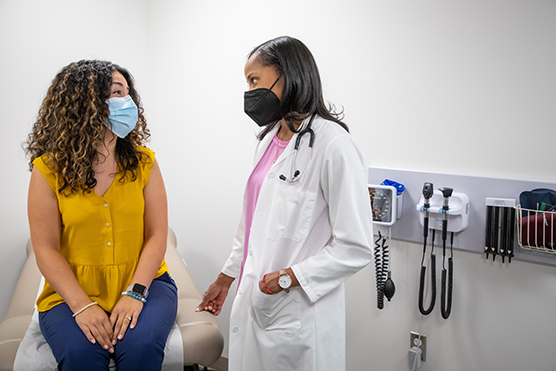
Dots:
(423, 277)
(446, 302)
(446, 308)
(379, 274)
(385, 260)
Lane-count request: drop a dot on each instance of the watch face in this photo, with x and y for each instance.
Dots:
(285, 282)
(140, 289)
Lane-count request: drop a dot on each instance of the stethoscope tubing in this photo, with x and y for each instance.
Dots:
(296, 173)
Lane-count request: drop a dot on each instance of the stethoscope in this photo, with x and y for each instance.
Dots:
(296, 173)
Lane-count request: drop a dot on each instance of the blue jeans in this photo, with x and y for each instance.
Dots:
(142, 348)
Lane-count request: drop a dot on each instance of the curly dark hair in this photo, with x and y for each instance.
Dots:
(70, 123)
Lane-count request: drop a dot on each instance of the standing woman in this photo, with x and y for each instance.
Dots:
(98, 219)
(306, 222)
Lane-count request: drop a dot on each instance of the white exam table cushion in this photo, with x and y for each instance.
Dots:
(34, 353)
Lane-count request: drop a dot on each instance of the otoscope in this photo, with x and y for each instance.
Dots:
(446, 307)
(428, 191)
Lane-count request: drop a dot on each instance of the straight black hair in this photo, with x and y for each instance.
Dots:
(302, 94)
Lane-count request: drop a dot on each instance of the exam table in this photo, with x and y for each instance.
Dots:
(201, 334)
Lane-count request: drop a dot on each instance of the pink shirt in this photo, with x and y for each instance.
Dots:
(254, 184)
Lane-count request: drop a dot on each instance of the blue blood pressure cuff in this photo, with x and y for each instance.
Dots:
(399, 187)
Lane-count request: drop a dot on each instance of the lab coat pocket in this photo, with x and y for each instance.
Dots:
(279, 313)
(290, 214)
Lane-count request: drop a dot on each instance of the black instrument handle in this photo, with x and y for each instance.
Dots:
(510, 250)
(446, 297)
(487, 229)
(495, 250)
(422, 287)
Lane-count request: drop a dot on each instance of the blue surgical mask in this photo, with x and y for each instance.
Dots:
(123, 115)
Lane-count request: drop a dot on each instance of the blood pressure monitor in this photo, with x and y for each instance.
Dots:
(383, 204)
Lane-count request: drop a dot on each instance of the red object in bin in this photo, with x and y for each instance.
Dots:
(538, 229)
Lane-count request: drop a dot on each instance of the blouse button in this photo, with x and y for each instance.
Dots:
(109, 244)
(271, 174)
(105, 205)
(235, 330)
(108, 224)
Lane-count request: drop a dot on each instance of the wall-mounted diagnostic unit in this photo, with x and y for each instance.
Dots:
(529, 244)
(386, 203)
(457, 215)
(448, 211)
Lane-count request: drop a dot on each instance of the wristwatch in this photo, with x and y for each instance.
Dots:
(139, 290)
(284, 281)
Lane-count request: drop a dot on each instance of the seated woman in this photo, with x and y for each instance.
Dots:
(98, 219)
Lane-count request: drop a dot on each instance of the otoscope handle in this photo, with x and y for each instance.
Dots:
(446, 193)
(422, 287)
(428, 191)
(446, 297)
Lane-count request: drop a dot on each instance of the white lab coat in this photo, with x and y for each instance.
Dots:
(321, 227)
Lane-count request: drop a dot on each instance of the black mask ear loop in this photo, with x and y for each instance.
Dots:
(275, 84)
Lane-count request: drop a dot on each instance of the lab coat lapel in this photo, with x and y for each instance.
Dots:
(289, 150)
(263, 145)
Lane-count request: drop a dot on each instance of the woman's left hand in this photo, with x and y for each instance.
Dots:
(271, 281)
(125, 314)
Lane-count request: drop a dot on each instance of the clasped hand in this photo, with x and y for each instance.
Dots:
(99, 327)
(271, 281)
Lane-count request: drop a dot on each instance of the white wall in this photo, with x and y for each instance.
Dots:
(478, 76)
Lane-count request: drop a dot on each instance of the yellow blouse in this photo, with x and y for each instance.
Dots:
(102, 237)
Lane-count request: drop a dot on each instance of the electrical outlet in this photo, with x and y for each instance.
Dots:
(421, 343)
